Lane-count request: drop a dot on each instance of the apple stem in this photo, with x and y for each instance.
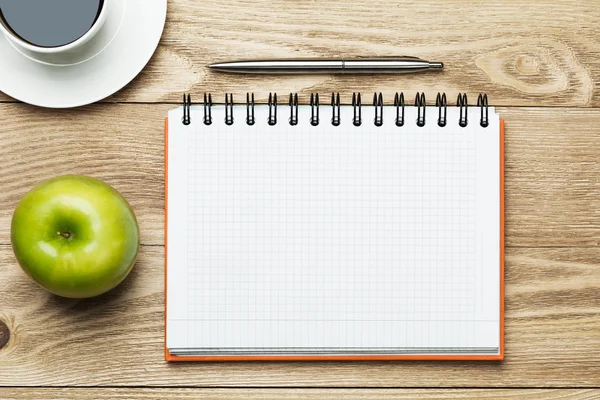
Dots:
(66, 235)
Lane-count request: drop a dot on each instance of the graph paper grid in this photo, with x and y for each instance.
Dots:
(338, 239)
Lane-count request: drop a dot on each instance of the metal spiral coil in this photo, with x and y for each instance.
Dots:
(335, 109)
(378, 105)
(442, 104)
(250, 120)
(187, 104)
(399, 104)
(207, 109)
(463, 105)
(293, 109)
(357, 106)
(482, 103)
(420, 104)
(228, 109)
(272, 109)
(314, 109)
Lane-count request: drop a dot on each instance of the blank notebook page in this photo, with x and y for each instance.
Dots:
(333, 240)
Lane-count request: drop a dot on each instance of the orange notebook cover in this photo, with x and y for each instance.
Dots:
(196, 129)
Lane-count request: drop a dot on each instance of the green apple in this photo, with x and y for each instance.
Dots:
(76, 236)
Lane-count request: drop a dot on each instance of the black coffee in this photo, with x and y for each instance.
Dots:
(49, 23)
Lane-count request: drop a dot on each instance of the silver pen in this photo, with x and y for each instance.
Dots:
(361, 65)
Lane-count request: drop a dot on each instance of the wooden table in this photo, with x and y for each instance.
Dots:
(538, 61)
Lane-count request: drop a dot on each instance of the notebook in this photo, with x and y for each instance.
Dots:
(335, 230)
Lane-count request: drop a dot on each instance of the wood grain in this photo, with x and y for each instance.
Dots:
(521, 53)
(552, 165)
(321, 394)
(543, 54)
(552, 335)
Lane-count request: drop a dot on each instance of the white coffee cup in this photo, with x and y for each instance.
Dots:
(59, 49)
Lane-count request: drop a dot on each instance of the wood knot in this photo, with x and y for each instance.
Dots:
(527, 64)
(541, 67)
(4, 334)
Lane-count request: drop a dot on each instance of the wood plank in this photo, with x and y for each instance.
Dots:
(552, 335)
(521, 53)
(122, 145)
(552, 168)
(356, 394)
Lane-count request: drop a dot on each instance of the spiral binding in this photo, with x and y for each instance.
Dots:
(420, 104)
(207, 109)
(187, 103)
(228, 109)
(378, 105)
(250, 120)
(482, 103)
(272, 109)
(314, 105)
(399, 104)
(335, 109)
(442, 104)
(293, 109)
(463, 105)
(357, 108)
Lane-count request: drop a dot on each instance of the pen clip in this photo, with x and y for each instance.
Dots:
(390, 57)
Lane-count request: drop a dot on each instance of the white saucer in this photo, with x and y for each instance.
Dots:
(104, 65)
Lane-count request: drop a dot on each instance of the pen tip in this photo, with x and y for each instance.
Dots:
(218, 65)
(437, 65)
